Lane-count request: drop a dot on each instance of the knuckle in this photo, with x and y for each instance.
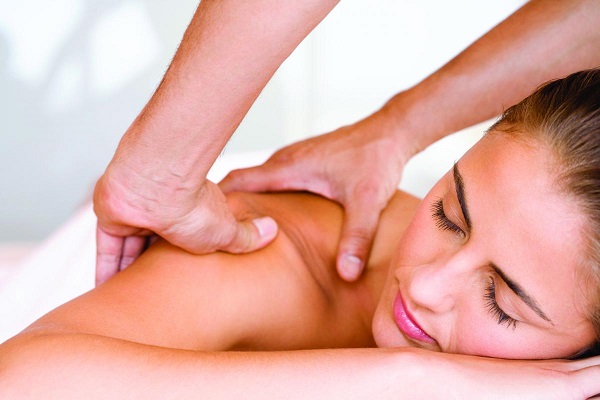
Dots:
(287, 155)
(368, 191)
(242, 241)
(217, 234)
(358, 234)
(234, 175)
(108, 258)
(357, 240)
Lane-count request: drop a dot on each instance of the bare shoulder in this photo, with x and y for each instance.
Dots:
(286, 296)
(313, 226)
(168, 297)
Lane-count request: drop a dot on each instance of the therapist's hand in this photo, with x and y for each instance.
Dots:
(358, 166)
(198, 220)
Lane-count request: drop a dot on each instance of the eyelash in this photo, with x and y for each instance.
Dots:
(444, 224)
(442, 221)
(494, 308)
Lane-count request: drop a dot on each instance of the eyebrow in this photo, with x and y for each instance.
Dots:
(519, 291)
(460, 193)
(514, 286)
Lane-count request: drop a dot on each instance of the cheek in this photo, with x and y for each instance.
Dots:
(478, 339)
(421, 240)
(476, 336)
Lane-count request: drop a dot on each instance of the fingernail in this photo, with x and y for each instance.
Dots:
(350, 267)
(267, 227)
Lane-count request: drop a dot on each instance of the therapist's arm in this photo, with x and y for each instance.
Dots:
(544, 40)
(156, 181)
(361, 165)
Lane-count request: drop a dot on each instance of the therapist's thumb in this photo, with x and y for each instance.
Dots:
(251, 235)
(358, 231)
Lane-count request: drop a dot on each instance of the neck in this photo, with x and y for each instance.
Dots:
(394, 221)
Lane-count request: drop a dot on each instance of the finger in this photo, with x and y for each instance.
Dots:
(587, 380)
(252, 235)
(584, 362)
(261, 178)
(109, 249)
(358, 231)
(133, 246)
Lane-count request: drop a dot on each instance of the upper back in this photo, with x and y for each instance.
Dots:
(285, 296)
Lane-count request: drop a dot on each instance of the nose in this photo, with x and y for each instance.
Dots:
(434, 286)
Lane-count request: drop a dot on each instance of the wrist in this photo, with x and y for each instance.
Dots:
(165, 156)
(418, 368)
(408, 122)
(431, 110)
(401, 133)
(133, 195)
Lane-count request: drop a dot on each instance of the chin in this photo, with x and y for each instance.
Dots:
(385, 332)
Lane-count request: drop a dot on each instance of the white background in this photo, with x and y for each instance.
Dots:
(75, 73)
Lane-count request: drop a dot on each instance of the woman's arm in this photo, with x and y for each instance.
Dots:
(171, 298)
(93, 367)
(285, 296)
(90, 367)
(153, 330)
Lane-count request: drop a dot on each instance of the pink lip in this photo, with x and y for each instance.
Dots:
(407, 324)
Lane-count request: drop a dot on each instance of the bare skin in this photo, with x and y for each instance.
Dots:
(157, 329)
(541, 41)
(228, 54)
(289, 287)
(230, 51)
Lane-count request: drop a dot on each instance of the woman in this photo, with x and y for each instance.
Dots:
(499, 260)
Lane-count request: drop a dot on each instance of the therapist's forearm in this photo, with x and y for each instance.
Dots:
(229, 52)
(545, 39)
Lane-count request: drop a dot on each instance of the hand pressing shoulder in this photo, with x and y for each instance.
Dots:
(286, 296)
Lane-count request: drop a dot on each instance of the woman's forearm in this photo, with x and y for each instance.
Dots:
(94, 367)
(65, 366)
(229, 52)
(545, 39)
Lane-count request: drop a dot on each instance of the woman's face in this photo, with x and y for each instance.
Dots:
(489, 264)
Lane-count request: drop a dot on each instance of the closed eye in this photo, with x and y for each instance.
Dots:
(494, 308)
(442, 221)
